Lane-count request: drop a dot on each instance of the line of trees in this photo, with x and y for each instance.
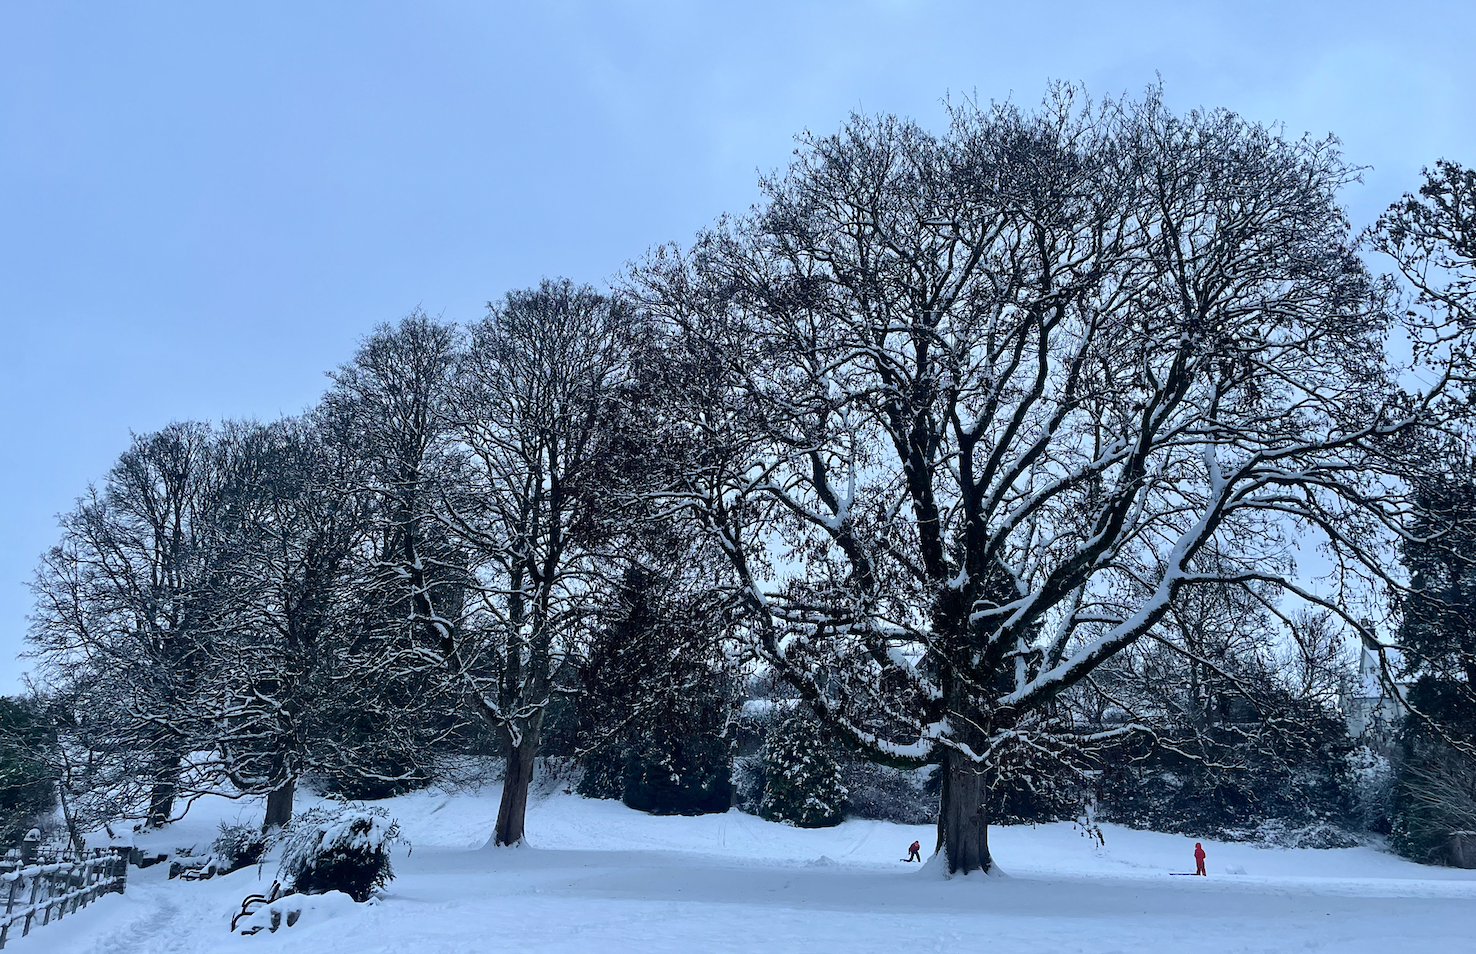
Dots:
(972, 439)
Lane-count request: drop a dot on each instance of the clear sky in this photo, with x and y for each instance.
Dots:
(203, 206)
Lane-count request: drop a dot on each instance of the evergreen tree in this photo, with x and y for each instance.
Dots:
(656, 695)
(1435, 783)
(27, 786)
(1431, 237)
(1437, 633)
(617, 673)
(802, 778)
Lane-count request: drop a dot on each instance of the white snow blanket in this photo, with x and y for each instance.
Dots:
(598, 877)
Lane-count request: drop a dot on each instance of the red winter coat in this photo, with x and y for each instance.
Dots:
(914, 847)
(1198, 853)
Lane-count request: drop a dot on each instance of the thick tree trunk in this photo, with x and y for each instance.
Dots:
(279, 806)
(161, 800)
(514, 807)
(963, 820)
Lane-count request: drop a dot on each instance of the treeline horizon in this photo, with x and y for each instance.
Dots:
(993, 447)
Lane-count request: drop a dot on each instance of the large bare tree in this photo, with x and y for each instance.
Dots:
(296, 641)
(976, 402)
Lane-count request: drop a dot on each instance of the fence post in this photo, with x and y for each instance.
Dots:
(31, 910)
(81, 885)
(9, 906)
(120, 869)
(48, 890)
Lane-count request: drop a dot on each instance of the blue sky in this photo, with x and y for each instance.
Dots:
(204, 206)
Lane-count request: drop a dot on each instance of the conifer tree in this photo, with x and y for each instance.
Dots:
(656, 695)
(802, 777)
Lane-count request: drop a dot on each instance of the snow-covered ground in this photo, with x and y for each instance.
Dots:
(599, 877)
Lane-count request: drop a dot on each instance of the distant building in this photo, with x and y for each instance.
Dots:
(1367, 705)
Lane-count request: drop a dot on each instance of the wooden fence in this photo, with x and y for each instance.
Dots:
(41, 887)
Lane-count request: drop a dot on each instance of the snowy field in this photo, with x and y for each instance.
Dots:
(599, 877)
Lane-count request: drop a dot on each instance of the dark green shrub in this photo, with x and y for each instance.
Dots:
(1244, 780)
(657, 694)
(339, 849)
(391, 776)
(887, 794)
(604, 770)
(1433, 799)
(679, 775)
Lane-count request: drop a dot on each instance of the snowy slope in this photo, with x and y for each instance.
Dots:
(598, 877)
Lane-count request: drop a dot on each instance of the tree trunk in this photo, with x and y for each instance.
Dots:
(74, 837)
(161, 800)
(279, 806)
(963, 820)
(514, 807)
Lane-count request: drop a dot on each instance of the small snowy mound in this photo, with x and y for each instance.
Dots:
(297, 909)
(937, 867)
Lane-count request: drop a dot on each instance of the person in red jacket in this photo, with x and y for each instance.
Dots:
(1198, 859)
(914, 852)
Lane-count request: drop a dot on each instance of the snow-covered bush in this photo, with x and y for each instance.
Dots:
(802, 778)
(888, 794)
(872, 791)
(237, 846)
(339, 848)
(294, 909)
(1279, 834)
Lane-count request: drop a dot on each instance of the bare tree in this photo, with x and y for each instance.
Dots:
(388, 407)
(531, 419)
(123, 619)
(980, 400)
(487, 452)
(1432, 239)
(291, 528)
